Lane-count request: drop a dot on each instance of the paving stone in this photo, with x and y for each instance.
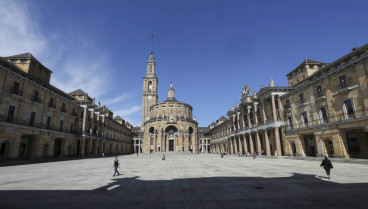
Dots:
(183, 181)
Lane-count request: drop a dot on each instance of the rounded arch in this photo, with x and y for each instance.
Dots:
(150, 86)
(5, 149)
(171, 130)
(190, 130)
(151, 130)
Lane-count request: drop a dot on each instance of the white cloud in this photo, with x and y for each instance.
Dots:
(19, 33)
(68, 52)
(129, 114)
(125, 96)
(128, 111)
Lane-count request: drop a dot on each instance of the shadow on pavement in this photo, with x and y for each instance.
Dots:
(296, 191)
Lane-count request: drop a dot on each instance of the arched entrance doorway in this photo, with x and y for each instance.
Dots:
(4, 149)
(171, 132)
(46, 148)
(57, 147)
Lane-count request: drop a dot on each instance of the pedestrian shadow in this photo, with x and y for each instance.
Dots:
(322, 177)
(296, 191)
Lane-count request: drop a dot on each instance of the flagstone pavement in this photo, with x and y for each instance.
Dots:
(183, 181)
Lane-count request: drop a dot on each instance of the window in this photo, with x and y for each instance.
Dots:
(35, 96)
(71, 127)
(290, 122)
(32, 119)
(343, 81)
(61, 125)
(24, 61)
(48, 124)
(330, 147)
(348, 107)
(353, 143)
(11, 111)
(304, 119)
(301, 98)
(14, 61)
(63, 107)
(15, 87)
(319, 91)
(150, 86)
(287, 103)
(2, 148)
(51, 102)
(323, 115)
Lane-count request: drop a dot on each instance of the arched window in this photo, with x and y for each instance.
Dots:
(150, 86)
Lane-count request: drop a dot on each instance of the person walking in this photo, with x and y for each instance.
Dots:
(116, 165)
(327, 165)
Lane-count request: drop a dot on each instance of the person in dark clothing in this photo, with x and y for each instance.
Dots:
(116, 165)
(327, 165)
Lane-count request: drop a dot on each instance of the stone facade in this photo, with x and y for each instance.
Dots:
(168, 126)
(322, 112)
(219, 134)
(327, 115)
(39, 120)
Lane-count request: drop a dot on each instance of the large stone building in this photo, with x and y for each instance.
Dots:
(40, 120)
(326, 111)
(168, 126)
(322, 112)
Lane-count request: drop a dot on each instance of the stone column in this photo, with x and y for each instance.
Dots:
(267, 143)
(278, 143)
(135, 145)
(239, 143)
(139, 145)
(248, 116)
(235, 145)
(84, 119)
(234, 127)
(259, 147)
(277, 136)
(206, 145)
(263, 112)
(245, 144)
(242, 116)
(251, 143)
(319, 144)
(202, 145)
(231, 146)
(238, 119)
(255, 113)
(273, 108)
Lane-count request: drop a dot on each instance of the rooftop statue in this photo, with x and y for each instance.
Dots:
(246, 91)
(272, 82)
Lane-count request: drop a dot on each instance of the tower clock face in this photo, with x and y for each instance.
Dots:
(149, 97)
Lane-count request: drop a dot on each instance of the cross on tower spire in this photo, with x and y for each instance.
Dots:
(152, 43)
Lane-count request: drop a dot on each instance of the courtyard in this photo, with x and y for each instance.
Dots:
(183, 181)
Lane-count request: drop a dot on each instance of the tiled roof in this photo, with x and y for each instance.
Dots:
(118, 118)
(78, 92)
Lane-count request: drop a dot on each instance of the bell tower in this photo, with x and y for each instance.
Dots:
(149, 96)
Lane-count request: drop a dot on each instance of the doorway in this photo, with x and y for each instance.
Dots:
(171, 145)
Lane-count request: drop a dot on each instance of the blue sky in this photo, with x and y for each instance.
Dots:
(208, 48)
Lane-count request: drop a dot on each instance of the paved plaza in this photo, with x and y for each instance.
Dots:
(183, 181)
